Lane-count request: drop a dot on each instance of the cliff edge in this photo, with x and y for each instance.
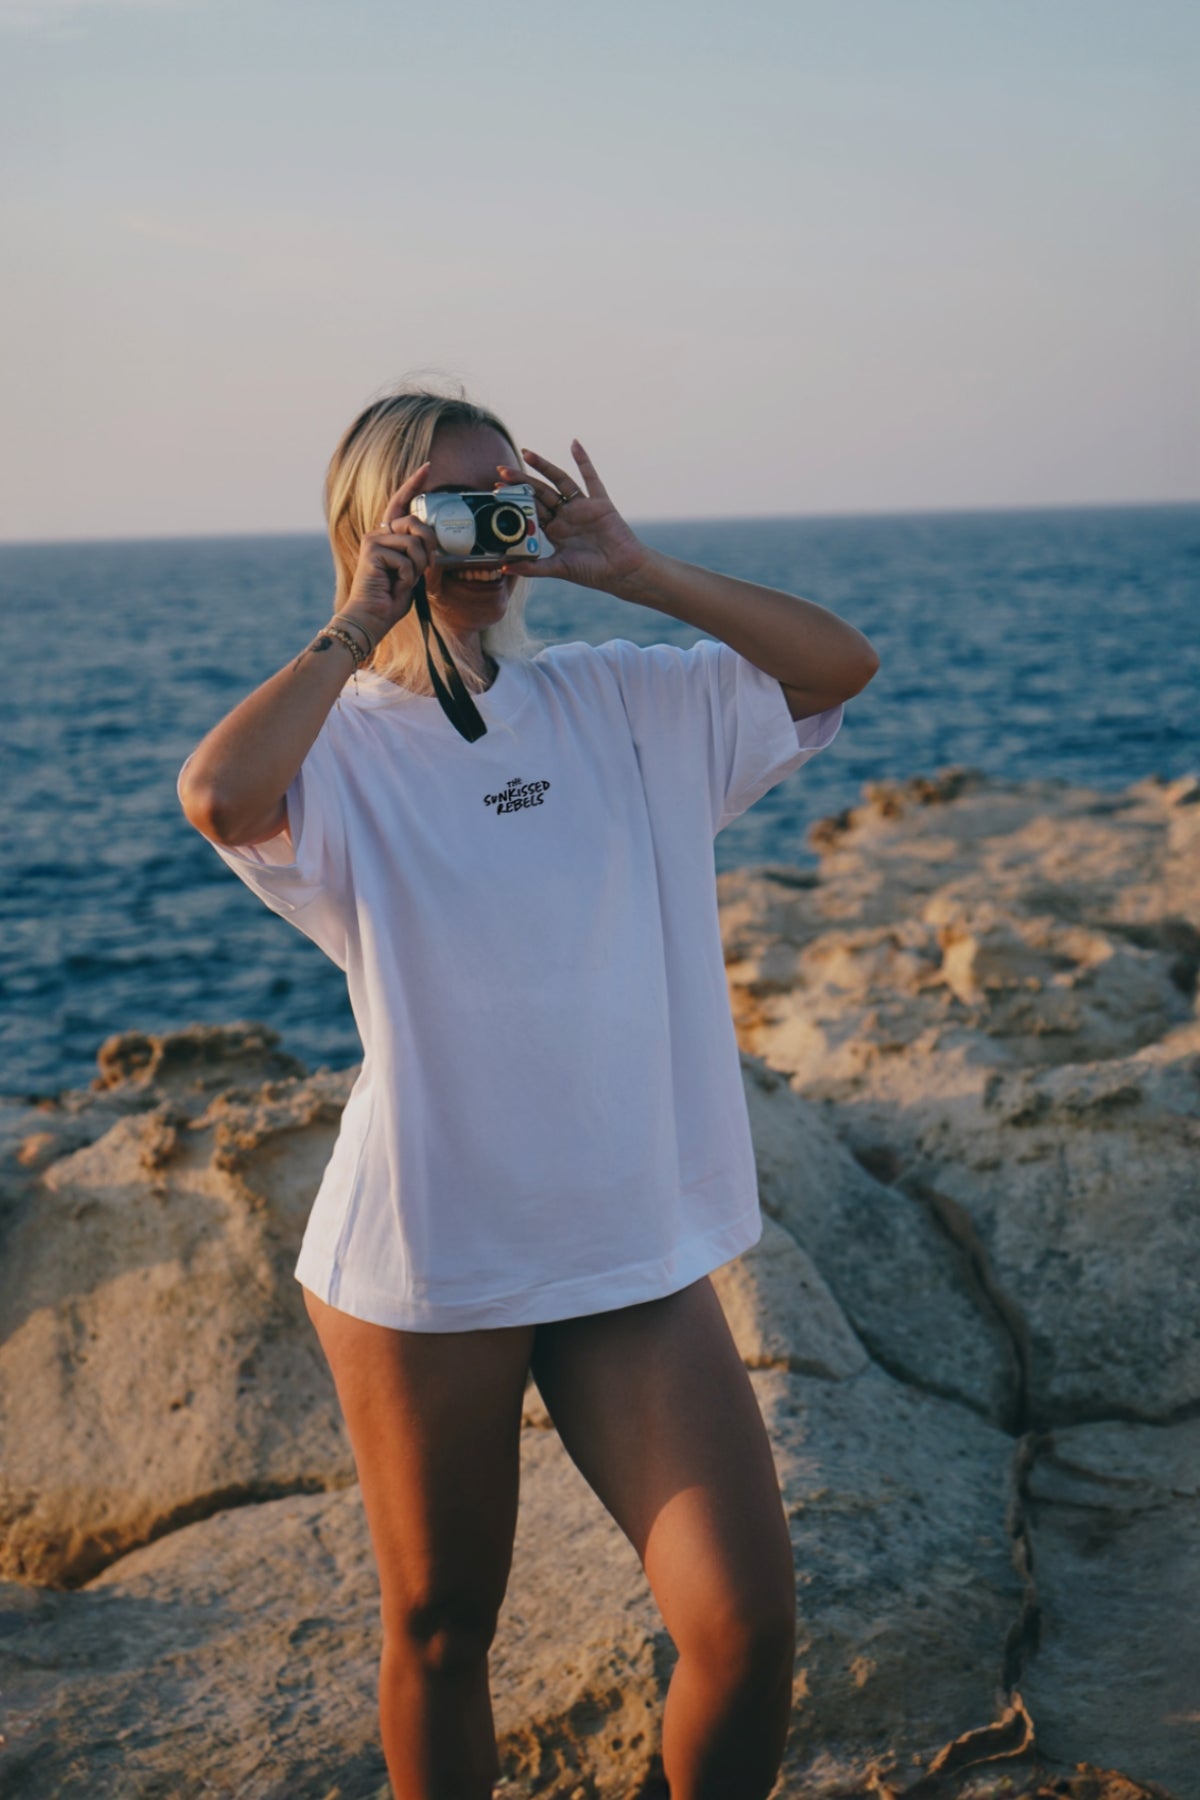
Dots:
(972, 1062)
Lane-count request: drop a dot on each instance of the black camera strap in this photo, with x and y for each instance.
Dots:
(455, 700)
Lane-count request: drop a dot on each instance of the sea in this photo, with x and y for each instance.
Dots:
(1059, 643)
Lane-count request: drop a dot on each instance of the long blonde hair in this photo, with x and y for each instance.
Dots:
(388, 440)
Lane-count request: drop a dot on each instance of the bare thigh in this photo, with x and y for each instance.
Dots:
(656, 1409)
(435, 1422)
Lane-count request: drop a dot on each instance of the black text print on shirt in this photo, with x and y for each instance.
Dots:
(516, 794)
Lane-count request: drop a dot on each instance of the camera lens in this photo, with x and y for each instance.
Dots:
(508, 524)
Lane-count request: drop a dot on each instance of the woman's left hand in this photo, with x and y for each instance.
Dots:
(592, 544)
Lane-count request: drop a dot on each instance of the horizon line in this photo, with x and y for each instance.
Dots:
(914, 512)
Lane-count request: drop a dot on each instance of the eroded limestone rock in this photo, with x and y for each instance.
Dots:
(782, 1314)
(1114, 1519)
(990, 992)
(238, 1654)
(973, 1071)
(156, 1362)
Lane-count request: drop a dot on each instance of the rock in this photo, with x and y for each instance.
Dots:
(971, 1053)
(991, 992)
(202, 1058)
(38, 1149)
(908, 1293)
(1081, 1185)
(243, 1648)
(239, 1655)
(781, 1313)
(1114, 1522)
(906, 1584)
(233, 1656)
(156, 1361)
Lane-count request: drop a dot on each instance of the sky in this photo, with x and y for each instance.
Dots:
(762, 259)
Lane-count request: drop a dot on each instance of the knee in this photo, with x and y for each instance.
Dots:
(753, 1644)
(442, 1636)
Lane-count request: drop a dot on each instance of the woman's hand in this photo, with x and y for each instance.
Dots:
(391, 560)
(592, 544)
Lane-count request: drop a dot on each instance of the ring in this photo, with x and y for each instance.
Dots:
(566, 499)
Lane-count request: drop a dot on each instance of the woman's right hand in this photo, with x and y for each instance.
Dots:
(391, 560)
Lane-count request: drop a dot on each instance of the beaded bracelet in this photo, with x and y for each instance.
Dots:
(353, 625)
(328, 635)
(343, 637)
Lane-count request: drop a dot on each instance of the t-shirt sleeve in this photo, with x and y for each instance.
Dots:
(291, 877)
(718, 717)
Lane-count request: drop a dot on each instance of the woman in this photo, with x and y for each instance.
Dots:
(547, 1150)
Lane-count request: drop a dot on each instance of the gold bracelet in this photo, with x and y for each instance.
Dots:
(353, 625)
(353, 646)
(331, 634)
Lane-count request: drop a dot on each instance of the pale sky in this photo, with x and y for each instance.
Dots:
(777, 258)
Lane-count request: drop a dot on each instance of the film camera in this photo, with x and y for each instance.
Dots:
(500, 525)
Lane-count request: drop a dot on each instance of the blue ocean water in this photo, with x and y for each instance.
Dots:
(1059, 643)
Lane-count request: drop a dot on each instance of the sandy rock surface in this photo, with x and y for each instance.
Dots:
(244, 1649)
(156, 1362)
(972, 1062)
(990, 996)
(987, 997)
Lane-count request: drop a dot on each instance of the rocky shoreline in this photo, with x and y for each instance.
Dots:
(971, 1052)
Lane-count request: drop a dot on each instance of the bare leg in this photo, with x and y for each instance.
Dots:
(656, 1410)
(435, 1423)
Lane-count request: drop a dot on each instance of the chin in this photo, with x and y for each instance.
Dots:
(465, 609)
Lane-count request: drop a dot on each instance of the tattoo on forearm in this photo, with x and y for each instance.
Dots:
(318, 644)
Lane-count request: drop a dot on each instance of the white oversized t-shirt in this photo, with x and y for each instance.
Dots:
(550, 1118)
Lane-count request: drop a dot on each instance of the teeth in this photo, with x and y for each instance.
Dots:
(489, 575)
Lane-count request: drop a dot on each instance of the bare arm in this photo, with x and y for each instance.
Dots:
(234, 785)
(818, 659)
(236, 781)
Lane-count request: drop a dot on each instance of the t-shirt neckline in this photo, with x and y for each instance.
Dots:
(496, 702)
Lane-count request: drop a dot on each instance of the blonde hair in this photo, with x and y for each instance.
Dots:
(388, 440)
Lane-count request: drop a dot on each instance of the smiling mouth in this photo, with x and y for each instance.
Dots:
(480, 577)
